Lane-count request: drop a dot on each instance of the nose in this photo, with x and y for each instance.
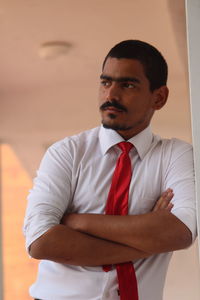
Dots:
(113, 92)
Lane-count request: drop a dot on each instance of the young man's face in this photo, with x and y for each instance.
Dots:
(126, 102)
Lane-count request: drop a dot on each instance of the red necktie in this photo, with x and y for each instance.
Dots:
(117, 204)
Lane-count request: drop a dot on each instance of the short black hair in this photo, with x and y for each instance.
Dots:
(154, 64)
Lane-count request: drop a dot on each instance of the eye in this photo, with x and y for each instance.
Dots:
(128, 85)
(105, 82)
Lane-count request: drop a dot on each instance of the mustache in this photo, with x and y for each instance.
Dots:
(113, 103)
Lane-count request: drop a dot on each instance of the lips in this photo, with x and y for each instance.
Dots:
(112, 109)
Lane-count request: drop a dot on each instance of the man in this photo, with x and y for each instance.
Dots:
(66, 225)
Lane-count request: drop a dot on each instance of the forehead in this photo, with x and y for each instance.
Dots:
(124, 67)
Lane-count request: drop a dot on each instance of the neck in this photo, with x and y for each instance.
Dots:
(128, 134)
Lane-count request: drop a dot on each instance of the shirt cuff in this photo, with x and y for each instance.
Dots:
(188, 217)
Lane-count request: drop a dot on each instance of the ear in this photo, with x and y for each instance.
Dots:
(160, 97)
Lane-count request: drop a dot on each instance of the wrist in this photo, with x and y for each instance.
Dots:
(76, 221)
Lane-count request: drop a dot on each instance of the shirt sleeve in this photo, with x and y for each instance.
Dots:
(180, 177)
(50, 196)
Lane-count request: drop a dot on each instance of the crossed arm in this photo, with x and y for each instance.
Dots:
(91, 239)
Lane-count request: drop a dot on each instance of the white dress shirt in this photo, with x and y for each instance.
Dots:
(75, 176)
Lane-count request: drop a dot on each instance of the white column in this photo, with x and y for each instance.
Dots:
(193, 38)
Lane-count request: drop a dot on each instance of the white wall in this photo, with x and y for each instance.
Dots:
(193, 29)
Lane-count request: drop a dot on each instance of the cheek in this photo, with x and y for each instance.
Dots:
(101, 95)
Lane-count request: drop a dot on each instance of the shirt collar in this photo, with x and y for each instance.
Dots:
(142, 141)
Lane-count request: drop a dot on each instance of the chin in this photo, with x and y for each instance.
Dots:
(114, 125)
(109, 124)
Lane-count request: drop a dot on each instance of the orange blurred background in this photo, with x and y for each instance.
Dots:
(19, 270)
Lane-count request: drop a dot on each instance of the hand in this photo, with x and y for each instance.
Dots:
(164, 202)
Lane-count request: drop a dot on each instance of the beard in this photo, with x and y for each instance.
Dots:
(113, 125)
(109, 124)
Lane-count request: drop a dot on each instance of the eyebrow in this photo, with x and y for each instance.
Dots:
(120, 79)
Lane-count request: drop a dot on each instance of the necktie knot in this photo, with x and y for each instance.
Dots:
(125, 146)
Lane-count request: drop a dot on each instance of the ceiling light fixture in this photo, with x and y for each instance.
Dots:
(54, 49)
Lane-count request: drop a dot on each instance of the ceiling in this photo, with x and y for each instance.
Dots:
(43, 100)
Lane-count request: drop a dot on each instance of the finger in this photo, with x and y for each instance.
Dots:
(164, 200)
(170, 206)
(168, 197)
